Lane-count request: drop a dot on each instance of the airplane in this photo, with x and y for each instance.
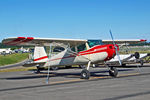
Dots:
(125, 42)
(76, 52)
(6, 51)
(23, 50)
(127, 58)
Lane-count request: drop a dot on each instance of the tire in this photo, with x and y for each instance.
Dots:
(85, 74)
(137, 55)
(123, 64)
(67, 67)
(54, 68)
(38, 71)
(113, 72)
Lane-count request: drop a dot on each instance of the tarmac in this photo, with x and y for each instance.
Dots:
(65, 84)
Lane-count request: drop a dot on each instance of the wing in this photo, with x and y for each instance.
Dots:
(30, 41)
(124, 41)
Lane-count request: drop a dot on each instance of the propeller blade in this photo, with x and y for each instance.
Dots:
(115, 48)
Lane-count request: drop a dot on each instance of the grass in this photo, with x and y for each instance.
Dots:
(18, 69)
(13, 58)
(132, 52)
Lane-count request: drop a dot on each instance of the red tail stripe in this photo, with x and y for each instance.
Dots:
(40, 58)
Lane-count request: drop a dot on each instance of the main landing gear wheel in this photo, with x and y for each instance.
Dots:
(113, 72)
(68, 67)
(85, 74)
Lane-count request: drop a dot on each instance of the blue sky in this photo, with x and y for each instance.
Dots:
(82, 19)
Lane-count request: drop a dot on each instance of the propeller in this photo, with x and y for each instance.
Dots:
(115, 48)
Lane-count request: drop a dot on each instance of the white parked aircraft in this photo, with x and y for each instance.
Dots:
(23, 50)
(5, 51)
(122, 42)
(127, 58)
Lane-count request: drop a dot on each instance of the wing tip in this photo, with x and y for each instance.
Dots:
(143, 40)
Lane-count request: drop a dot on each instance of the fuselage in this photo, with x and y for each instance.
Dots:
(96, 54)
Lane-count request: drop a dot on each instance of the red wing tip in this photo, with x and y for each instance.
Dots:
(30, 38)
(143, 40)
(21, 37)
(25, 38)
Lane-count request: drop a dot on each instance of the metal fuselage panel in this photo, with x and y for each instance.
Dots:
(77, 60)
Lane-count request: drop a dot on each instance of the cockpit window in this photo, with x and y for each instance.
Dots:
(92, 43)
(81, 47)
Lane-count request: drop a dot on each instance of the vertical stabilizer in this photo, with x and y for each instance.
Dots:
(40, 54)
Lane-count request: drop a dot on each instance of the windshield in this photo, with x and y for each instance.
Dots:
(92, 43)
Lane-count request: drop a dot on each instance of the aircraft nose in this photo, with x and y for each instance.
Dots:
(115, 47)
(111, 52)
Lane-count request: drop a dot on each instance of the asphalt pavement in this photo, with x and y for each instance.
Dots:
(65, 84)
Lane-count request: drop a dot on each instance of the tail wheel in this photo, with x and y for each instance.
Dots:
(113, 72)
(38, 70)
(85, 74)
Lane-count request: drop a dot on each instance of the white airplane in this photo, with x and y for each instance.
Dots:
(23, 50)
(76, 52)
(127, 58)
(124, 42)
(6, 51)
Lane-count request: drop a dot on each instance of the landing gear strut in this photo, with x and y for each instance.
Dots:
(85, 74)
(113, 72)
(38, 69)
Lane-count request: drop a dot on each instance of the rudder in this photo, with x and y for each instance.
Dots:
(40, 54)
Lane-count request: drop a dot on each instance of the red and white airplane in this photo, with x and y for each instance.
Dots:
(75, 52)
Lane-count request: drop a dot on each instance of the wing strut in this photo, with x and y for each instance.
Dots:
(47, 80)
(50, 54)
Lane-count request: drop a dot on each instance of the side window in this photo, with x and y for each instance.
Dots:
(81, 47)
(73, 49)
(58, 49)
(94, 42)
